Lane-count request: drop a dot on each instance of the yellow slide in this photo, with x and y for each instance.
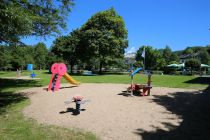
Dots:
(70, 79)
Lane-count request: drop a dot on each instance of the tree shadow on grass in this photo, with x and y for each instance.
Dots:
(8, 98)
(13, 83)
(200, 80)
(47, 72)
(7, 95)
(1, 73)
(113, 73)
(192, 107)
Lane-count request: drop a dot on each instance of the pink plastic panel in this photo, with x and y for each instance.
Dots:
(62, 69)
(54, 68)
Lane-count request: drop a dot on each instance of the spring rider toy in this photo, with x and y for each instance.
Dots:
(78, 101)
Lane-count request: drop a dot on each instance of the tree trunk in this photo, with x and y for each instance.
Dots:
(191, 71)
(72, 65)
(100, 67)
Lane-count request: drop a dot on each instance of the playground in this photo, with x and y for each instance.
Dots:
(114, 70)
(111, 113)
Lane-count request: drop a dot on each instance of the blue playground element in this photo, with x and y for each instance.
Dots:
(30, 67)
(132, 68)
(33, 75)
(135, 71)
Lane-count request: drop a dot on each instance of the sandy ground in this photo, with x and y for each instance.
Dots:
(110, 114)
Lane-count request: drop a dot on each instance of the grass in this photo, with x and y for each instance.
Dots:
(191, 82)
(172, 81)
(13, 125)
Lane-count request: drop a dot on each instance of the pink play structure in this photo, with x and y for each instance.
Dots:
(58, 70)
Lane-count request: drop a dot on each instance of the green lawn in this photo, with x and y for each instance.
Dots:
(193, 82)
(14, 126)
(157, 80)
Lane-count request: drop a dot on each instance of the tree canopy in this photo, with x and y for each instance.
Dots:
(193, 64)
(40, 55)
(153, 58)
(65, 47)
(20, 18)
(167, 54)
(105, 36)
(5, 58)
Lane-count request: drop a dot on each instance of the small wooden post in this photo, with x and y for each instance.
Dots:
(131, 85)
(149, 84)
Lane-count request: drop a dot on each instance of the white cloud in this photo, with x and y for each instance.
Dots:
(131, 50)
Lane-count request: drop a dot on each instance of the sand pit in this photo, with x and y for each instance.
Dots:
(110, 114)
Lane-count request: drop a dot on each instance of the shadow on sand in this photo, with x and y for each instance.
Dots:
(71, 110)
(192, 107)
(61, 87)
(128, 94)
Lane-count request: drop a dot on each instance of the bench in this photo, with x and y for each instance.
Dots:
(88, 73)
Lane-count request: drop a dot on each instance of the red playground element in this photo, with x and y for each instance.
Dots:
(136, 88)
(58, 70)
(77, 98)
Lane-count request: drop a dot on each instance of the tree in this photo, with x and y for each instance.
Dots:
(138, 64)
(21, 56)
(28, 55)
(188, 50)
(204, 56)
(193, 64)
(20, 18)
(40, 55)
(66, 46)
(87, 46)
(167, 54)
(5, 58)
(208, 49)
(153, 58)
(174, 57)
(51, 59)
(104, 35)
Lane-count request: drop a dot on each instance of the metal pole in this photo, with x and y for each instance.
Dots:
(144, 62)
(144, 58)
(131, 85)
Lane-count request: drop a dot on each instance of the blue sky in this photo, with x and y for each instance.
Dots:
(176, 23)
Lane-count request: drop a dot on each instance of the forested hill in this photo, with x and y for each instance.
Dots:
(193, 49)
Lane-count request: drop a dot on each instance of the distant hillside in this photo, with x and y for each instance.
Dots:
(194, 48)
(201, 53)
